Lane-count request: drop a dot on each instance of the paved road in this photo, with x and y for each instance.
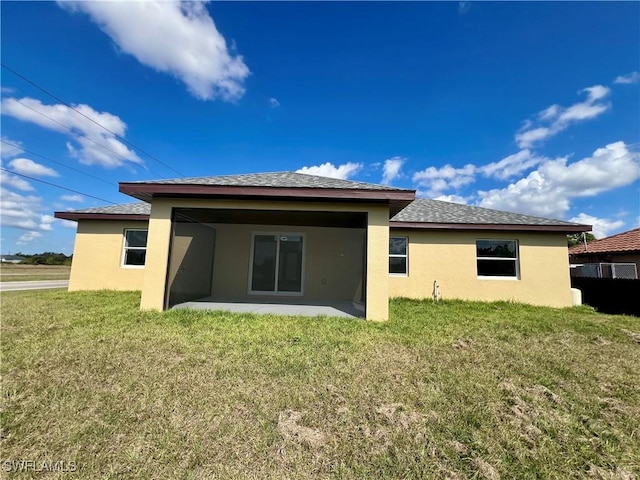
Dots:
(33, 285)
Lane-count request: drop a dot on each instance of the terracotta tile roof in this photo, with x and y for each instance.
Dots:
(622, 242)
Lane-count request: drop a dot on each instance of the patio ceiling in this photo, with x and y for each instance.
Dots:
(272, 217)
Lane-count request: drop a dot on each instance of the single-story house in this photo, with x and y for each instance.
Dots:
(280, 237)
(622, 248)
(11, 259)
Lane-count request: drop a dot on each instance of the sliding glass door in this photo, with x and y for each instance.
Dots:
(276, 264)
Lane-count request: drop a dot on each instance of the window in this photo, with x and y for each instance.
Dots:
(497, 258)
(398, 255)
(276, 264)
(135, 248)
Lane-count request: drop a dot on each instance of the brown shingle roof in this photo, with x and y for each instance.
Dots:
(127, 211)
(622, 242)
(275, 180)
(446, 214)
(275, 186)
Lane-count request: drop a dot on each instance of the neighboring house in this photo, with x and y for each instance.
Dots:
(11, 259)
(289, 236)
(622, 248)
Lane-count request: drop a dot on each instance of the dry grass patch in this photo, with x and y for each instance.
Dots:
(22, 273)
(452, 390)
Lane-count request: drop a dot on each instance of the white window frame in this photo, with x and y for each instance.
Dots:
(397, 255)
(125, 247)
(302, 272)
(516, 259)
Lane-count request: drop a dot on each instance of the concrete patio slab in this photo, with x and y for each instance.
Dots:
(333, 309)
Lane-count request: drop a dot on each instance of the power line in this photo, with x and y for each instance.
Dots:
(58, 163)
(85, 136)
(57, 186)
(123, 140)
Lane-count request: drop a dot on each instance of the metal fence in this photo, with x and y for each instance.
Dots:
(605, 270)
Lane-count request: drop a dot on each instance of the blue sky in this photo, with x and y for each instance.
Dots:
(526, 107)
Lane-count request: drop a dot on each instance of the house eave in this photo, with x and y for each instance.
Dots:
(490, 227)
(396, 199)
(75, 216)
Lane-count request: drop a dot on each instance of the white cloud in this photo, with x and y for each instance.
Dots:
(68, 223)
(46, 221)
(548, 190)
(549, 112)
(28, 237)
(29, 167)
(512, 165)
(526, 138)
(73, 198)
(391, 169)
(452, 199)
(11, 149)
(23, 211)
(632, 77)
(601, 226)
(8, 180)
(97, 146)
(554, 119)
(342, 172)
(464, 7)
(437, 180)
(273, 102)
(174, 37)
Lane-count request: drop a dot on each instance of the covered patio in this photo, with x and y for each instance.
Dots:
(268, 261)
(272, 238)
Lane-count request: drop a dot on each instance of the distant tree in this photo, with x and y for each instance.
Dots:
(578, 239)
(45, 258)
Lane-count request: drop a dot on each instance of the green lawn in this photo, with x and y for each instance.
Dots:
(21, 273)
(452, 390)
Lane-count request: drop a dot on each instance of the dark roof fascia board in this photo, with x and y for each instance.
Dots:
(490, 227)
(146, 192)
(75, 216)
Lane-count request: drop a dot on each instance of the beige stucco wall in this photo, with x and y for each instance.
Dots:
(97, 257)
(333, 261)
(450, 258)
(191, 261)
(332, 255)
(153, 292)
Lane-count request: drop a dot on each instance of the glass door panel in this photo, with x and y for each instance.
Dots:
(290, 264)
(277, 264)
(263, 277)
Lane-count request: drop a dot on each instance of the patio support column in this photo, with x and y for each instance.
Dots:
(155, 270)
(378, 264)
